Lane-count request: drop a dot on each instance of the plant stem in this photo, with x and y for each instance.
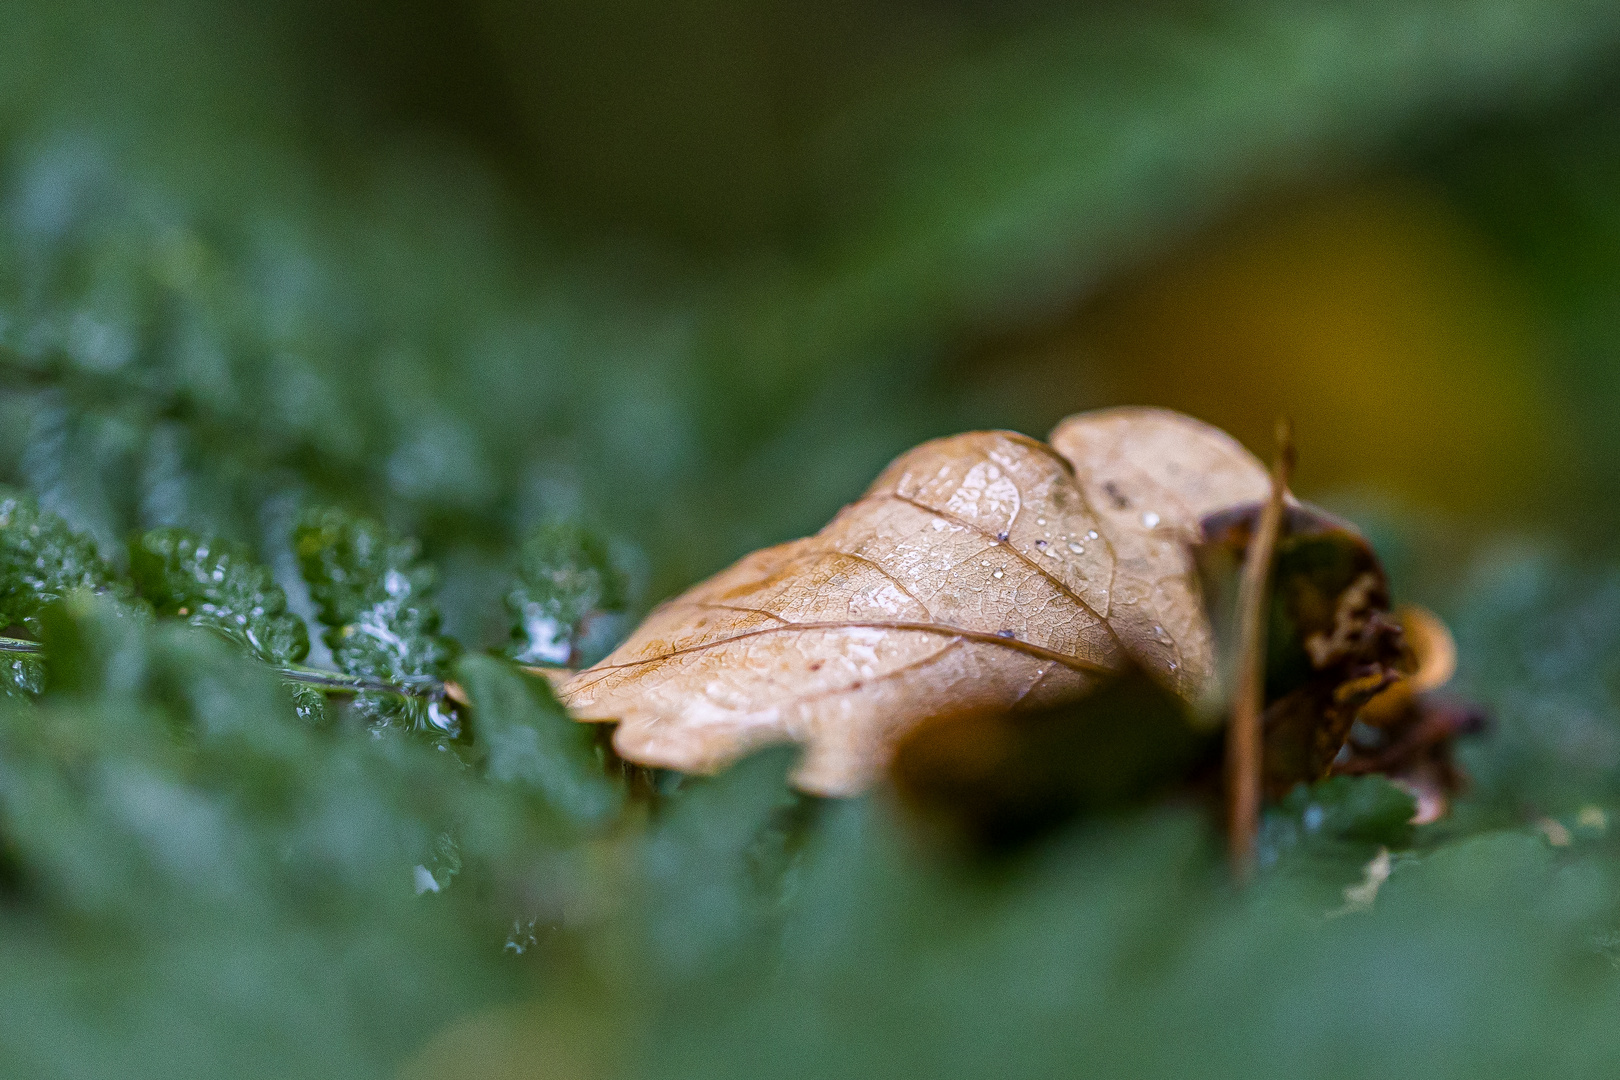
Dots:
(1243, 737)
(338, 683)
(335, 682)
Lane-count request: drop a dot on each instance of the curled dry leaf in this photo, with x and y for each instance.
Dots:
(985, 573)
(1407, 732)
(1333, 645)
(1433, 660)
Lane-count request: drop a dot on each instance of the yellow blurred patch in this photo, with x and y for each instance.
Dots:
(525, 1041)
(1400, 345)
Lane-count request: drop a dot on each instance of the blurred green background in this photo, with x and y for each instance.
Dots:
(692, 272)
(701, 268)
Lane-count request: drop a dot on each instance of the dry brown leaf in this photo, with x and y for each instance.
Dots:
(1154, 475)
(1433, 661)
(1343, 646)
(1407, 732)
(976, 576)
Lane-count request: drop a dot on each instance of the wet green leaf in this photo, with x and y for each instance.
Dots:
(566, 578)
(21, 674)
(217, 584)
(526, 738)
(704, 903)
(1339, 812)
(42, 559)
(164, 805)
(373, 594)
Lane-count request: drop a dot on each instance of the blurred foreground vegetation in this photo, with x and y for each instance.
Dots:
(669, 282)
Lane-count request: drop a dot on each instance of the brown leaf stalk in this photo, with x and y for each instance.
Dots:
(1248, 696)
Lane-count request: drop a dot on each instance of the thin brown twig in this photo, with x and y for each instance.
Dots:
(1243, 738)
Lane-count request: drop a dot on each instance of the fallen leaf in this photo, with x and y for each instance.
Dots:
(1433, 660)
(1409, 733)
(1154, 476)
(980, 574)
(1333, 644)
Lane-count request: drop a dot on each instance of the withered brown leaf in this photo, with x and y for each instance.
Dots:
(982, 573)
(1154, 476)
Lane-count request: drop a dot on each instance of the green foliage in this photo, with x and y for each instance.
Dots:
(1539, 638)
(21, 675)
(529, 740)
(228, 291)
(566, 578)
(217, 584)
(1368, 809)
(42, 559)
(166, 819)
(374, 596)
(703, 882)
(250, 842)
(1116, 938)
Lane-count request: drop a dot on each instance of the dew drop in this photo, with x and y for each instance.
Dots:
(1077, 549)
(1150, 519)
(1040, 521)
(1092, 535)
(997, 574)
